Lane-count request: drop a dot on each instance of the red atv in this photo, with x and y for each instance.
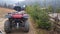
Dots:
(16, 20)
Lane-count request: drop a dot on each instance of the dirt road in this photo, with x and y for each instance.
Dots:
(2, 20)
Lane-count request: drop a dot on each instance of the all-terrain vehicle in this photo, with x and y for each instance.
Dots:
(16, 20)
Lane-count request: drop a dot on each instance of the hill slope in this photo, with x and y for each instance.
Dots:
(4, 11)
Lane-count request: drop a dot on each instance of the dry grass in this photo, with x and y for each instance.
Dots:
(4, 11)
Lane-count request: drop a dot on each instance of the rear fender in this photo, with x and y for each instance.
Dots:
(7, 16)
(26, 16)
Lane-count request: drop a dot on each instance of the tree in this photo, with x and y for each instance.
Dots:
(50, 9)
(5, 5)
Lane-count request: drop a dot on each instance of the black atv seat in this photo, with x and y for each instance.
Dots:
(17, 8)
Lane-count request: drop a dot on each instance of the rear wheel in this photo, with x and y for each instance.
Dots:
(7, 27)
(26, 29)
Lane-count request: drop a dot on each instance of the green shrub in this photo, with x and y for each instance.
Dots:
(39, 15)
(58, 10)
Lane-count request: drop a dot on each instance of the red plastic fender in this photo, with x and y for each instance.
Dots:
(17, 16)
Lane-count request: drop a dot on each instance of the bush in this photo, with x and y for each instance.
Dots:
(39, 16)
(58, 10)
